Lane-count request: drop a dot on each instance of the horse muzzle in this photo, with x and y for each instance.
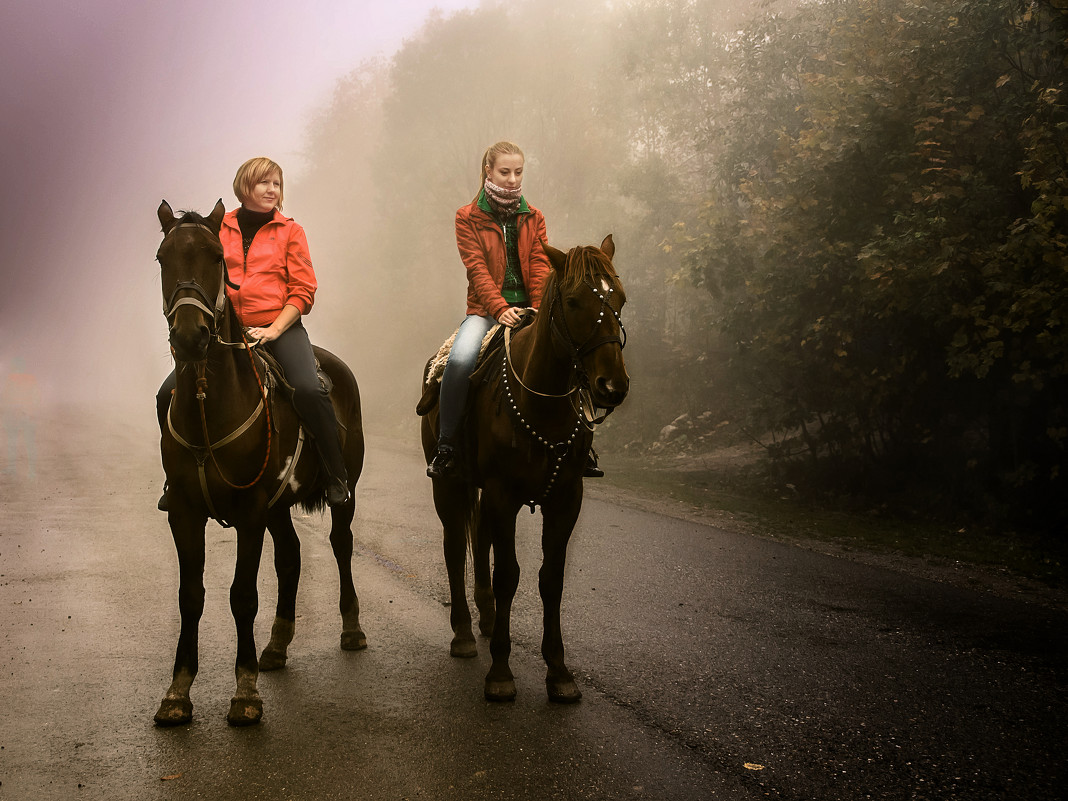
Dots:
(608, 393)
(189, 343)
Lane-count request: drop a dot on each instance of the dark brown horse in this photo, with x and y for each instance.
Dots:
(526, 438)
(233, 449)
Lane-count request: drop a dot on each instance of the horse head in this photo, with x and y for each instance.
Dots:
(585, 298)
(194, 279)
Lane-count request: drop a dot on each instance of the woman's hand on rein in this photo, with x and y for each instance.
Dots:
(510, 317)
(261, 335)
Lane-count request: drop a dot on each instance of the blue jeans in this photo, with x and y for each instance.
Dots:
(454, 382)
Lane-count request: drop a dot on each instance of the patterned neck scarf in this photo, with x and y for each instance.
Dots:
(505, 201)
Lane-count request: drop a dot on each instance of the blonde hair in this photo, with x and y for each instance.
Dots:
(252, 172)
(489, 158)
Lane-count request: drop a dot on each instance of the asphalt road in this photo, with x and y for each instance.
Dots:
(713, 664)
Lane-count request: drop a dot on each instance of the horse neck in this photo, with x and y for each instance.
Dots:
(230, 386)
(537, 360)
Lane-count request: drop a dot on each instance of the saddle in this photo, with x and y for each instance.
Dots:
(275, 376)
(492, 344)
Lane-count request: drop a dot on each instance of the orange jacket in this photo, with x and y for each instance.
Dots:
(277, 271)
(480, 241)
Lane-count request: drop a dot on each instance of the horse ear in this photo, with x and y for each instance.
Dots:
(608, 247)
(166, 216)
(217, 215)
(556, 257)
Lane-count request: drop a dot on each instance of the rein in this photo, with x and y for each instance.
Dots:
(202, 394)
(216, 312)
(559, 450)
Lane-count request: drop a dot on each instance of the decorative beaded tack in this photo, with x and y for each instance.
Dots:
(557, 449)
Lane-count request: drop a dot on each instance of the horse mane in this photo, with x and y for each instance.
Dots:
(188, 215)
(586, 264)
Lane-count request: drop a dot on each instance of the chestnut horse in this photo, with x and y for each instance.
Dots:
(233, 449)
(533, 404)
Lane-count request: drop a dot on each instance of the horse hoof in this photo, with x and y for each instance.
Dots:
(353, 641)
(273, 660)
(499, 691)
(174, 712)
(563, 692)
(245, 711)
(463, 649)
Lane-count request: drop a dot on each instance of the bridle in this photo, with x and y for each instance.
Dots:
(562, 333)
(217, 307)
(215, 311)
(578, 391)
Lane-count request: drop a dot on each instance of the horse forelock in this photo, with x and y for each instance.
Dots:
(587, 264)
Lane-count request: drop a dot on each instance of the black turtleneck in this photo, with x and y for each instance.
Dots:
(250, 222)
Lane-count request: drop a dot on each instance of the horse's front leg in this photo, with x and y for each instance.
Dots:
(352, 636)
(246, 707)
(287, 569)
(497, 522)
(188, 533)
(453, 502)
(558, 521)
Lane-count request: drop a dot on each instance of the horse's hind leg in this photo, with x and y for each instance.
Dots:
(177, 708)
(453, 504)
(499, 523)
(352, 636)
(558, 521)
(287, 569)
(246, 707)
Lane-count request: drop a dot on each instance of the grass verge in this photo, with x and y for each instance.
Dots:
(742, 500)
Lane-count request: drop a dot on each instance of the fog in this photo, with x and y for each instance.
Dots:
(109, 107)
(378, 115)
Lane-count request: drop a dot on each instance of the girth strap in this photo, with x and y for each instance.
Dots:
(200, 453)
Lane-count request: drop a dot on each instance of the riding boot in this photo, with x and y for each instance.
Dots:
(445, 463)
(333, 464)
(163, 404)
(591, 470)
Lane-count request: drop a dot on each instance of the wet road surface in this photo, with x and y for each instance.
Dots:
(713, 665)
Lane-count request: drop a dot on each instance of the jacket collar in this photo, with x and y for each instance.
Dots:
(230, 218)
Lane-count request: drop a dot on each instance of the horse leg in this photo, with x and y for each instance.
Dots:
(455, 511)
(497, 523)
(246, 708)
(487, 610)
(352, 636)
(287, 569)
(176, 708)
(558, 522)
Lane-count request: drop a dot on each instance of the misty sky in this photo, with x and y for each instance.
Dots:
(107, 107)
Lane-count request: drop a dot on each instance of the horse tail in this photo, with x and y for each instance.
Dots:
(472, 508)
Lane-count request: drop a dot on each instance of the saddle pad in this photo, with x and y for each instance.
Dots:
(437, 364)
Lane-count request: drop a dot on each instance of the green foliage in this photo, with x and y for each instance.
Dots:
(886, 241)
(842, 223)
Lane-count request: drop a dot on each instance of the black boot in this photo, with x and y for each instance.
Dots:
(335, 475)
(337, 492)
(444, 464)
(591, 470)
